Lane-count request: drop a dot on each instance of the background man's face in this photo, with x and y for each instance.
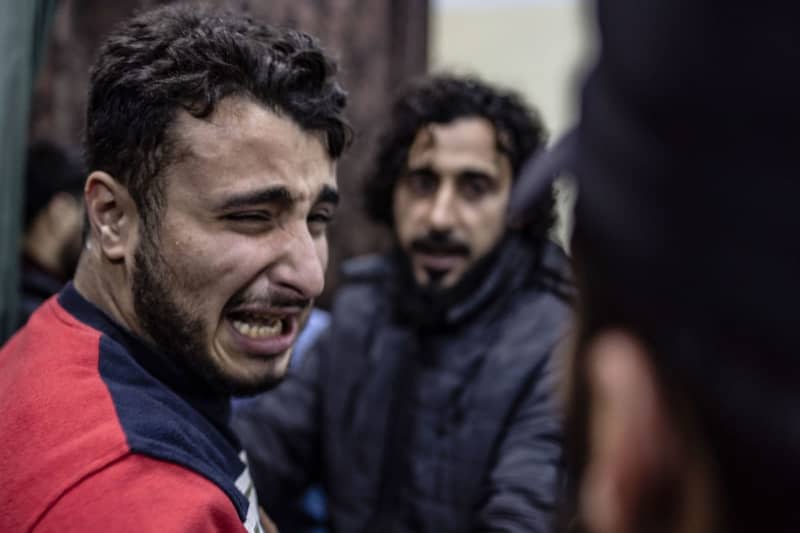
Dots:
(240, 252)
(449, 207)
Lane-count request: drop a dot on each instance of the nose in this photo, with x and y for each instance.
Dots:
(442, 216)
(301, 264)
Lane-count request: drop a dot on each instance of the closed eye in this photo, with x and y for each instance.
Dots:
(249, 222)
(249, 216)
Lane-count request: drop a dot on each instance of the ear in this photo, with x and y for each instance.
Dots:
(634, 457)
(112, 215)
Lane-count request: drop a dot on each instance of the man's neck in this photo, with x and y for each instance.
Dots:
(106, 285)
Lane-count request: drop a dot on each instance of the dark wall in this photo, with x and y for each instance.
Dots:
(379, 43)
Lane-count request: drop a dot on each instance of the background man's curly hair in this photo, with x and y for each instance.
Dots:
(189, 57)
(442, 99)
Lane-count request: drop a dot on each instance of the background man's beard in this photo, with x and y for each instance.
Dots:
(176, 333)
(438, 242)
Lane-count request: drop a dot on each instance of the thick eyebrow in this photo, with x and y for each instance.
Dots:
(328, 195)
(475, 173)
(274, 195)
(422, 169)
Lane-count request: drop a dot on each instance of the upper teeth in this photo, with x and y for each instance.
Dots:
(257, 330)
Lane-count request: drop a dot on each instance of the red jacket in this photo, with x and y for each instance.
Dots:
(94, 436)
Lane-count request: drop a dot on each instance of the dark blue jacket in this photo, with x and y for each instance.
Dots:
(447, 430)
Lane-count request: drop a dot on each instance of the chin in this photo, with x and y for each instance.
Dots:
(250, 381)
(451, 281)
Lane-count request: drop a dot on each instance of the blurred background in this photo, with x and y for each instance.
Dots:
(535, 46)
(538, 47)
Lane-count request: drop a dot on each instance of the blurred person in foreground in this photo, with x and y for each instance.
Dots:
(212, 143)
(685, 390)
(428, 404)
(51, 242)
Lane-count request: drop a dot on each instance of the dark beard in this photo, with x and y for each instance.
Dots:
(427, 307)
(178, 336)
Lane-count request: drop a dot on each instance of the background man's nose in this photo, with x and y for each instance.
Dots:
(442, 213)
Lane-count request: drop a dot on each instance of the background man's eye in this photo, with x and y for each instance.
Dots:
(422, 183)
(474, 187)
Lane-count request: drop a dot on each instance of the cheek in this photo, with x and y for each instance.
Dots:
(488, 222)
(409, 217)
(201, 264)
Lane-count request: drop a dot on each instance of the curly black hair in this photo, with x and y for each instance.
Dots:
(188, 57)
(441, 99)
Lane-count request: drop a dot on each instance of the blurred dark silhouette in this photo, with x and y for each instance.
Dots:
(379, 43)
(23, 37)
(51, 240)
(684, 389)
(429, 403)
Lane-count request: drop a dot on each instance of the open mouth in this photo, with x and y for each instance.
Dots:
(263, 333)
(257, 326)
(263, 329)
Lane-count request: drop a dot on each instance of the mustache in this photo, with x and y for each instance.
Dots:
(433, 243)
(278, 297)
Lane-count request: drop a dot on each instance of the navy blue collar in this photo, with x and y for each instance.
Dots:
(215, 406)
